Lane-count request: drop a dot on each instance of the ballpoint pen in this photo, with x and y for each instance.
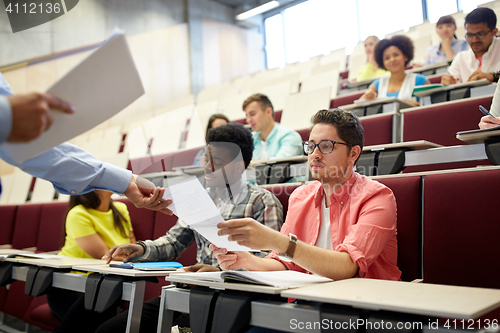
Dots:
(486, 112)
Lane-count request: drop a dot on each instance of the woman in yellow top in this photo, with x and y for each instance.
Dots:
(371, 68)
(94, 224)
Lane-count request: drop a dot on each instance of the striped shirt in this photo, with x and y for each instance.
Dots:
(249, 202)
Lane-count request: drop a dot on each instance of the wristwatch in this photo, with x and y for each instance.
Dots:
(290, 251)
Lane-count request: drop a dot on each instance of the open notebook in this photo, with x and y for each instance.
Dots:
(277, 279)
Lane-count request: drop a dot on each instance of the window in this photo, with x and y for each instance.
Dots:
(436, 9)
(274, 41)
(318, 26)
(469, 5)
(386, 16)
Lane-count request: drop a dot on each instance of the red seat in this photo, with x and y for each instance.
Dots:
(149, 164)
(407, 191)
(304, 134)
(461, 229)
(26, 226)
(439, 123)
(345, 99)
(51, 227)
(142, 220)
(282, 192)
(8, 214)
(435, 79)
(184, 157)
(377, 129)
(40, 315)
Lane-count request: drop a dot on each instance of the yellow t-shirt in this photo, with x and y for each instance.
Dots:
(82, 222)
(366, 72)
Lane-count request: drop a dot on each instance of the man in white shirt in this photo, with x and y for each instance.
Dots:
(482, 60)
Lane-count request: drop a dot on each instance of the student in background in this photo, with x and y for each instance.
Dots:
(371, 68)
(450, 45)
(489, 121)
(215, 120)
(225, 144)
(94, 224)
(482, 60)
(271, 140)
(394, 55)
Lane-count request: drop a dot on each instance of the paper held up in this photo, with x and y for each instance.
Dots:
(99, 87)
(193, 205)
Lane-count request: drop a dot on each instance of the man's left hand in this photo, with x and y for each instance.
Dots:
(248, 232)
(201, 268)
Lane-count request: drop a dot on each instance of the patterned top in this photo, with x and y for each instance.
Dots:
(250, 201)
(433, 54)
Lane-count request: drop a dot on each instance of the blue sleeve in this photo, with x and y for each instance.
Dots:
(376, 83)
(465, 45)
(420, 79)
(74, 171)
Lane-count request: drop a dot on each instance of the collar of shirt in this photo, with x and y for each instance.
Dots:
(341, 195)
(271, 134)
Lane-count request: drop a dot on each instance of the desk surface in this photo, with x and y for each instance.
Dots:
(418, 145)
(475, 137)
(298, 159)
(60, 263)
(426, 68)
(477, 83)
(230, 286)
(415, 298)
(383, 100)
(103, 268)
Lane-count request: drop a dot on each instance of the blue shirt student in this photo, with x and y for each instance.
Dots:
(419, 80)
(281, 142)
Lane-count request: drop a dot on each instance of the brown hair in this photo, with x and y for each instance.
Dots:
(346, 123)
(448, 19)
(263, 101)
(211, 120)
(401, 42)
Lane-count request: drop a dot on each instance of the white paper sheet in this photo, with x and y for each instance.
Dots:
(193, 205)
(99, 87)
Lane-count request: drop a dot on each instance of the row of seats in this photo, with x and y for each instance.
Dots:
(442, 238)
(40, 227)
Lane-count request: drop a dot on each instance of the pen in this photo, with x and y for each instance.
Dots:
(128, 266)
(483, 110)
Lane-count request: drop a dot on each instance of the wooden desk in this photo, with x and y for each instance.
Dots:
(426, 95)
(439, 67)
(477, 136)
(406, 297)
(416, 145)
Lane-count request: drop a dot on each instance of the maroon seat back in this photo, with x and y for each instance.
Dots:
(440, 123)
(345, 99)
(26, 226)
(461, 228)
(184, 157)
(8, 215)
(407, 191)
(282, 192)
(163, 223)
(149, 164)
(142, 220)
(304, 134)
(51, 227)
(377, 130)
(435, 79)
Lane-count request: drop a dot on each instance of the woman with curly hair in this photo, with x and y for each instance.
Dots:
(394, 55)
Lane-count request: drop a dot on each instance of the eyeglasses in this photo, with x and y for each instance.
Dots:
(480, 35)
(325, 146)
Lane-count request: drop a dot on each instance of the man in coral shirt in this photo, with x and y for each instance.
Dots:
(343, 225)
